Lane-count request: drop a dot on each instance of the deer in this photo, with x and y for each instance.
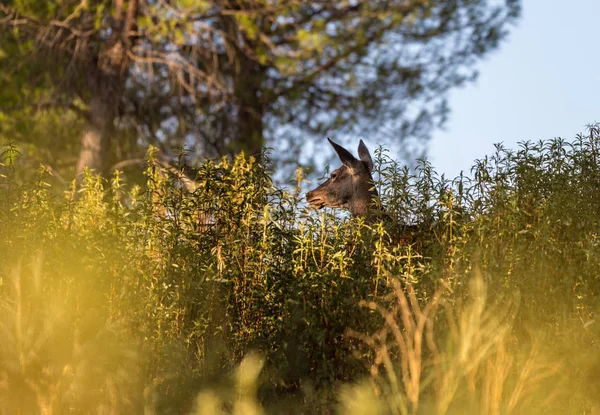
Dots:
(350, 186)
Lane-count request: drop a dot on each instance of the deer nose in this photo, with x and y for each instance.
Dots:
(308, 195)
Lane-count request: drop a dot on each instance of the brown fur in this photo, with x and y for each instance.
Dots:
(350, 186)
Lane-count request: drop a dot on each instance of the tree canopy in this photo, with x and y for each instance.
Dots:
(91, 83)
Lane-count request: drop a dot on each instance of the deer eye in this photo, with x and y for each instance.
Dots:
(333, 175)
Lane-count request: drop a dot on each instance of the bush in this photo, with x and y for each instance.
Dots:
(134, 298)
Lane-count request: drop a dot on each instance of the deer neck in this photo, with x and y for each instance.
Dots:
(364, 203)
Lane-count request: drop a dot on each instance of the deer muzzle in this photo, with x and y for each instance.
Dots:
(315, 200)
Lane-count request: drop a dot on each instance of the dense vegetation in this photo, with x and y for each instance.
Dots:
(476, 295)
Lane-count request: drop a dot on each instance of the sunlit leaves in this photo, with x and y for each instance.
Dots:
(239, 265)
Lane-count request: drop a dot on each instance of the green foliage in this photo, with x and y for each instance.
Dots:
(465, 299)
(35, 111)
(233, 76)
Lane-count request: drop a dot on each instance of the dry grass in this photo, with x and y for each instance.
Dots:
(472, 364)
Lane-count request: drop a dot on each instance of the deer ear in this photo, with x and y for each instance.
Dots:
(345, 156)
(365, 156)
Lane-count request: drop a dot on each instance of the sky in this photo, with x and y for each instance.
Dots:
(543, 82)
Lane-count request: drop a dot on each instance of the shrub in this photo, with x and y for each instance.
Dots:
(135, 298)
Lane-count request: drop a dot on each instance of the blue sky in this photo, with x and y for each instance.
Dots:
(543, 82)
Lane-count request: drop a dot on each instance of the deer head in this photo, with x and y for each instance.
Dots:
(350, 186)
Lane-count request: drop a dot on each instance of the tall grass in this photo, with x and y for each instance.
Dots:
(478, 296)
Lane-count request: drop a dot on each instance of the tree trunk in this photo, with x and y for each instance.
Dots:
(96, 139)
(250, 127)
(106, 78)
(250, 107)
